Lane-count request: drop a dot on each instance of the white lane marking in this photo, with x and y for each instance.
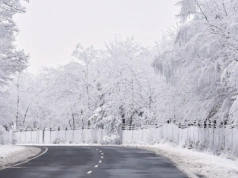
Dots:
(100, 161)
(96, 149)
(46, 149)
(102, 157)
(102, 153)
(89, 172)
(96, 166)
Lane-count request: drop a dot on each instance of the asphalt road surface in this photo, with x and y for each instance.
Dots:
(95, 162)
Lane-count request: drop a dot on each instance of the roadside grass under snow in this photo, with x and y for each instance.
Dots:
(8, 150)
(11, 154)
(197, 164)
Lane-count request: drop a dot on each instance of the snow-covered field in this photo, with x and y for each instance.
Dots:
(197, 164)
(10, 154)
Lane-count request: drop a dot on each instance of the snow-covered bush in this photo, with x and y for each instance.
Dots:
(111, 139)
(59, 141)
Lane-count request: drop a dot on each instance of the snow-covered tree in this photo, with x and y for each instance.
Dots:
(200, 60)
(11, 59)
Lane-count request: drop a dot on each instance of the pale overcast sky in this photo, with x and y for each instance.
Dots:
(50, 29)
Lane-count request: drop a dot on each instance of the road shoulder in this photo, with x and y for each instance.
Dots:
(197, 164)
(11, 155)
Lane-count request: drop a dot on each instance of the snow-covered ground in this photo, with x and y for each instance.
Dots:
(7, 150)
(197, 164)
(10, 154)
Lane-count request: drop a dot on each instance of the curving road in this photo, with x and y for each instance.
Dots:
(95, 162)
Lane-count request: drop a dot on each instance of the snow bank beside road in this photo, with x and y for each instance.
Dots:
(10, 154)
(197, 163)
(7, 150)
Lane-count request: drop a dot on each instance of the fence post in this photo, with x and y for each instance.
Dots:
(213, 139)
(73, 135)
(25, 135)
(224, 130)
(219, 137)
(132, 136)
(208, 131)
(65, 133)
(232, 142)
(142, 135)
(187, 138)
(198, 125)
(82, 137)
(167, 130)
(101, 135)
(193, 126)
(43, 137)
(37, 136)
(50, 134)
(172, 133)
(31, 136)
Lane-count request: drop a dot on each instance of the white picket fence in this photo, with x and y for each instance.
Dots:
(217, 140)
(58, 136)
(6, 137)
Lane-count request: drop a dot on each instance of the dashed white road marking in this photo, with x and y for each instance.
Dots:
(100, 161)
(89, 172)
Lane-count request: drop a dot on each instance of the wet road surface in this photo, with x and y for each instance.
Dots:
(95, 162)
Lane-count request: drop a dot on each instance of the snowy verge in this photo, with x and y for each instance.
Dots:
(196, 164)
(10, 154)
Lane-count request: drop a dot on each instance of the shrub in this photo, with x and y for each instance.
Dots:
(111, 139)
